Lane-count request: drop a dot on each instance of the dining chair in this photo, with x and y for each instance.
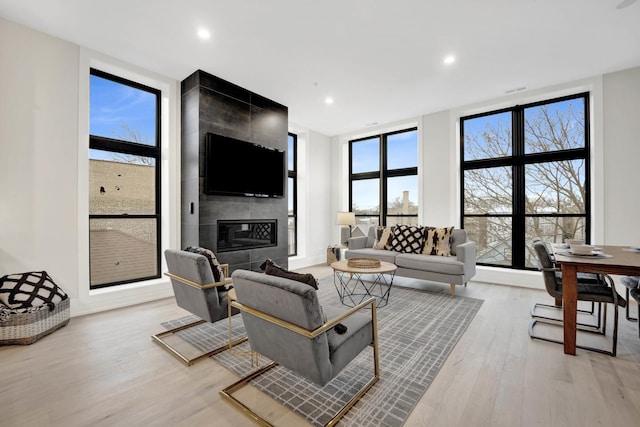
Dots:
(602, 292)
(635, 294)
(630, 283)
(589, 278)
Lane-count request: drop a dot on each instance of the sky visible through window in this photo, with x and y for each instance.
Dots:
(121, 112)
(402, 152)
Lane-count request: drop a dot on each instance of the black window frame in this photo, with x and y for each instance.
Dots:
(383, 174)
(518, 160)
(131, 148)
(293, 174)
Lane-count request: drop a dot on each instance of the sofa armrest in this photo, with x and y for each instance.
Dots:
(359, 242)
(466, 253)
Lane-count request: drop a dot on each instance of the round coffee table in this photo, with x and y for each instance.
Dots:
(353, 289)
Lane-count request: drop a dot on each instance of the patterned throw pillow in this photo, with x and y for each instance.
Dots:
(216, 268)
(437, 241)
(31, 289)
(383, 235)
(407, 239)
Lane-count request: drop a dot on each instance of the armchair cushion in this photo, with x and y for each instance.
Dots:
(343, 347)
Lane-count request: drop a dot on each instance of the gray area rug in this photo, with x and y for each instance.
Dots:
(417, 331)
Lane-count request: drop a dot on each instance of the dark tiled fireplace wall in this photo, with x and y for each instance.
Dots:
(211, 104)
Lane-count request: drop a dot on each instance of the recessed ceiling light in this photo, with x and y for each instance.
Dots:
(449, 59)
(328, 100)
(204, 34)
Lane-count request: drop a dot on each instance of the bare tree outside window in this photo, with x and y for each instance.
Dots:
(525, 176)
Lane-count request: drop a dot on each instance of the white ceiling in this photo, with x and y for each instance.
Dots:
(381, 60)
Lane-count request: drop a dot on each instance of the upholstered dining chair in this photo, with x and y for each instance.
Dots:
(602, 292)
(285, 322)
(635, 294)
(196, 291)
(585, 278)
(630, 283)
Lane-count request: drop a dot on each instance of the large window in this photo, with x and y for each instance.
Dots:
(124, 181)
(292, 193)
(384, 168)
(525, 175)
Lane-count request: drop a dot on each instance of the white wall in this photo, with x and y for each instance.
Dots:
(622, 157)
(38, 155)
(44, 165)
(439, 172)
(314, 189)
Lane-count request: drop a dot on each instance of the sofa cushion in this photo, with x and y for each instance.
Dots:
(407, 239)
(383, 237)
(437, 241)
(381, 254)
(436, 264)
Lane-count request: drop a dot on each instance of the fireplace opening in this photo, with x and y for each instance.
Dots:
(235, 235)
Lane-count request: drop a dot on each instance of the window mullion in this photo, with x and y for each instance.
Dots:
(519, 226)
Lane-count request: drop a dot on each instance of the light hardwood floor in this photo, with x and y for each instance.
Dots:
(104, 370)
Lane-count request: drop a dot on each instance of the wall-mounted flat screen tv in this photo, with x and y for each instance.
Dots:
(240, 168)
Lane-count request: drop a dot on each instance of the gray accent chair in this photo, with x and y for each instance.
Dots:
(284, 322)
(195, 291)
(601, 292)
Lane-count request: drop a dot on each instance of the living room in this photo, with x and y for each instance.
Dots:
(43, 131)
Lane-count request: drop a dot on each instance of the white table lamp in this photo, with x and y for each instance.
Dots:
(348, 219)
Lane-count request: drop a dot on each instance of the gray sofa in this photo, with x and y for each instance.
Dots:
(455, 270)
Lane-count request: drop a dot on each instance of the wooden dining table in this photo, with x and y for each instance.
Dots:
(616, 260)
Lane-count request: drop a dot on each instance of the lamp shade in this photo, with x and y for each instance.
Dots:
(346, 218)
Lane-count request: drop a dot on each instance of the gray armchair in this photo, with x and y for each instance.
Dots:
(195, 291)
(284, 322)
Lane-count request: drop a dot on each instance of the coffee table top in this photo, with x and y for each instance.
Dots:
(385, 267)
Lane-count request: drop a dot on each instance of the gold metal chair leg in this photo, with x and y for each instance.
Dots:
(227, 394)
(158, 338)
(255, 356)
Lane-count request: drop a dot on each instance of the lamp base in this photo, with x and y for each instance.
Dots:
(345, 233)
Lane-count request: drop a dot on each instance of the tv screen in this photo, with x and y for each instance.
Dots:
(239, 168)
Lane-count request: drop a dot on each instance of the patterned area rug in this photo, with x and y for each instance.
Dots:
(417, 331)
